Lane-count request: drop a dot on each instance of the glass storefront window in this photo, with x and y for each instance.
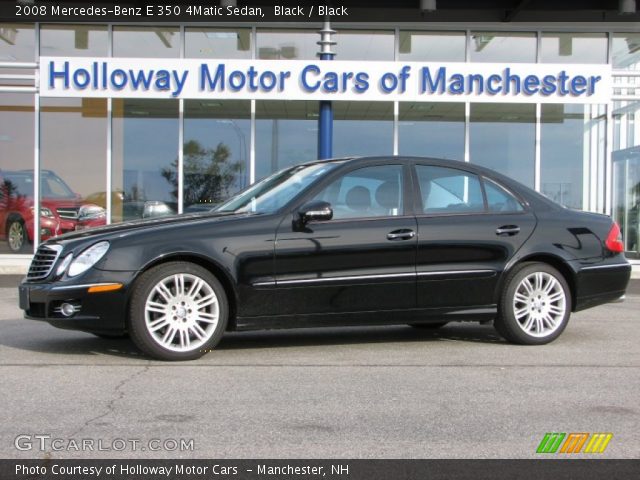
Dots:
(73, 153)
(17, 42)
(573, 48)
(502, 137)
(417, 46)
(153, 42)
(17, 120)
(74, 40)
(626, 174)
(431, 130)
(502, 47)
(286, 134)
(626, 51)
(362, 128)
(217, 42)
(287, 44)
(364, 44)
(217, 138)
(563, 144)
(145, 158)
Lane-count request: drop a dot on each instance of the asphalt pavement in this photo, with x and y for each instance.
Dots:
(374, 392)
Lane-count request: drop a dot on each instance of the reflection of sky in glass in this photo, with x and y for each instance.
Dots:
(233, 133)
(503, 47)
(362, 128)
(282, 143)
(431, 130)
(626, 50)
(364, 45)
(16, 130)
(287, 44)
(145, 140)
(561, 153)
(73, 141)
(144, 159)
(17, 43)
(502, 137)
(358, 137)
(217, 42)
(286, 134)
(155, 42)
(432, 46)
(73, 40)
(574, 48)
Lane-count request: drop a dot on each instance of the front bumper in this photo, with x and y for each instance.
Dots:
(100, 312)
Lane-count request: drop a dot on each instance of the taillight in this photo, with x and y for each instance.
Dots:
(614, 239)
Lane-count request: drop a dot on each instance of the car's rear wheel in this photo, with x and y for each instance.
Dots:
(428, 326)
(16, 235)
(178, 311)
(535, 305)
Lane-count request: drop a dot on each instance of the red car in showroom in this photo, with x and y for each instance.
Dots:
(61, 210)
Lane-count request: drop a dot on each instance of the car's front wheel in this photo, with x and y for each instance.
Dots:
(535, 305)
(16, 235)
(178, 311)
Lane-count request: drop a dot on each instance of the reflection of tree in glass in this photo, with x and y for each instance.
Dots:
(208, 173)
(9, 190)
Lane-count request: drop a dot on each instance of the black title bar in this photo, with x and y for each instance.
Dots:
(350, 11)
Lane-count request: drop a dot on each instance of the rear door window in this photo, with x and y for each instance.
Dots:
(446, 190)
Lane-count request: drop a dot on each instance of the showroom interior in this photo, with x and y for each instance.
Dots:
(130, 158)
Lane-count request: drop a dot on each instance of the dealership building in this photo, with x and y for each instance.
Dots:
(143, 119)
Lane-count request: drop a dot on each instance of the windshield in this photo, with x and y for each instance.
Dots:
(272, 193)
(51, 185)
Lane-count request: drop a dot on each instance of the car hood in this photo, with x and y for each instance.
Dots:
(125, 228)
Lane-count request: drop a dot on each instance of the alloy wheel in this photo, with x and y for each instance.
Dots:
(539, 304)
(16, 236)
(181, 312)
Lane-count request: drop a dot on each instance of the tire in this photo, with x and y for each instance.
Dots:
(16, 235)
(535, 305)
(428, 326)
(178, 311)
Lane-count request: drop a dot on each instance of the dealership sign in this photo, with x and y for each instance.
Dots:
(323, 80)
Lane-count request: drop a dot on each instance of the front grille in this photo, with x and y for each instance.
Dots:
(68, 212)
(43, 261)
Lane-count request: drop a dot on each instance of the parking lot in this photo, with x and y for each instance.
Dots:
(379, 392)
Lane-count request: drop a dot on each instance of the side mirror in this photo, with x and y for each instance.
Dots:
(316, 210)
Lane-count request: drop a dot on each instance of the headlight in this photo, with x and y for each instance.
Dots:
(90, 211)
(65, 263)
(88, 258)
(45, 212)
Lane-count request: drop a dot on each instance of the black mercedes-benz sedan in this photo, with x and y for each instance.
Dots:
(352, 241)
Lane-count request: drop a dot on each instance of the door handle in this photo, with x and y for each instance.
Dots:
(403, 234)
(508, 230)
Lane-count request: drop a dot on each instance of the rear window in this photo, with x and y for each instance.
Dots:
(499, 200)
